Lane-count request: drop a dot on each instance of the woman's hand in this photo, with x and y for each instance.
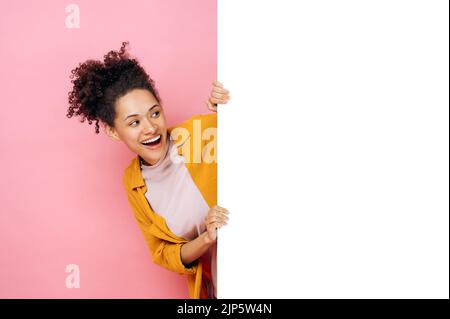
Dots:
(216, 218)
(219, 95)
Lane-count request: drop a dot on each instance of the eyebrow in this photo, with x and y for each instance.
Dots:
(131, 115)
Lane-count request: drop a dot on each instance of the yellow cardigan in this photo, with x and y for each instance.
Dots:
(165, 247)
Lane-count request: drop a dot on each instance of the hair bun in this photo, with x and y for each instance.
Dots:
(98, 84)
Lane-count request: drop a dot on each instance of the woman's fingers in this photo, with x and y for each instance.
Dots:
(220, 90)
(218, 225)
(215, 100)
(211, 106)
(221, 209)
(219, 95)
(216, 219)
(217, 83)
(218, 214)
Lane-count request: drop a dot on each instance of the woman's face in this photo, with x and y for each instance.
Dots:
(141, 125)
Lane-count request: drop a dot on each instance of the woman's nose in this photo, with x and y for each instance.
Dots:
(150, 128)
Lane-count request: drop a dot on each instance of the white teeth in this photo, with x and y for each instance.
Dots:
(152, 140)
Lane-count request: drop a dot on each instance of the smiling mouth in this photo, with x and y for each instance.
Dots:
(152, 142)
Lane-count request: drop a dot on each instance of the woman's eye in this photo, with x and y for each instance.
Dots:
(134, 122)
(156, 114)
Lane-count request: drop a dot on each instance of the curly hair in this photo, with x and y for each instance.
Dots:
(97, 86)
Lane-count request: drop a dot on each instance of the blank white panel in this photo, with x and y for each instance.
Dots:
(333, 150)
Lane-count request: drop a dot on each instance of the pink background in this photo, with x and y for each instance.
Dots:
(61, 196)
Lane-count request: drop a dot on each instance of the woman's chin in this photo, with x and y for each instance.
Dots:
(153, 154)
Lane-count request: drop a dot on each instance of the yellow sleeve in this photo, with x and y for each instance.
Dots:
(209, 120)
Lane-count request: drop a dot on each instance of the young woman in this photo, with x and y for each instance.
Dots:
(171, 184)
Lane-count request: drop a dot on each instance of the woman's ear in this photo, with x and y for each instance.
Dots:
(111, 132)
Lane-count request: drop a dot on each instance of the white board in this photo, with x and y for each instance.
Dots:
(333, 150)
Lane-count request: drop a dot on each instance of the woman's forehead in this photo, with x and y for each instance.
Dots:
(135, 101)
